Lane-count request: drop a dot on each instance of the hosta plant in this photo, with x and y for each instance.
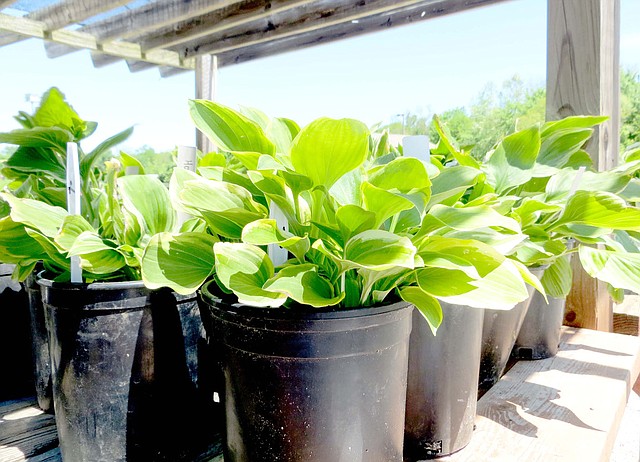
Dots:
(35, 231)
(542, 178)
(359, 228)
(37, 169)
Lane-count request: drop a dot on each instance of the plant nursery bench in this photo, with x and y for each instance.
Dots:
(565, 408)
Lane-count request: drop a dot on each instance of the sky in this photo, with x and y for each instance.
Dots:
(423, 68)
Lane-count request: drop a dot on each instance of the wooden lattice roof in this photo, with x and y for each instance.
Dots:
(171, 34)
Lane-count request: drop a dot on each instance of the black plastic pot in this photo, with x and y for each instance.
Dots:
(312, 385)
(539, 336)
(39, 345)
(442, 385)
(15, 339)
(499, 333)
(125, 372)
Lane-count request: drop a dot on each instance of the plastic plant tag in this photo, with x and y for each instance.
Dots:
(73, 200)
(131, 170)
(187, 159)
(277, 254)
(416, 146)
(576, 181)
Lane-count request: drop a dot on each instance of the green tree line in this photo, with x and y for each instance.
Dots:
(499, 111)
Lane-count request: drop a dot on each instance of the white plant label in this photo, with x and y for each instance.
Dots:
(73, 200)
(132, 170)
(187, 159)
(416, 146)
(277, 254)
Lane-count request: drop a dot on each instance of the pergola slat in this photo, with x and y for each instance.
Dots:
(399, 17)
(30, 28)
(63, 14)
(236, 15)
(151, 16)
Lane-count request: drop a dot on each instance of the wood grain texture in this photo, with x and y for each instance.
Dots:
(375, 23)
(136, 21)
(565, 408)
(583, 39)
(26, 433)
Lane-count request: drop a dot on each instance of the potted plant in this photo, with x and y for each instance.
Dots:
(313, 338)
(37, 170)
(538, 176)
(123, 356)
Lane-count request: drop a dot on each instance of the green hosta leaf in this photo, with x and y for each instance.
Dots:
(279, 132)
(452, 184)
(620, 269)
(501, 289)
(97, 255)
(558, 278)
(501, 242)
(462, 157)
(572, 122)
(87, 162)
(255, 115)
(599, 209)
(266, 231)
(54, 111)
(560, 184)
(39, 137)
(428, 306)
(403, 175)
(326, 149)
(244, 269)
(347, 190)
(72, 227)
(42, 217)
(511, 163)
(632, 192)
(37, 160)
(530, 278)
(212, 159)
(531, 210)
(559, 146)
(182, 262)
(382, 203)
(472, 257)
(379, 250)
(470, 218)
(16, 245)
(442, 282)
(148, 199)
(353, 220)
(303, 284)
(53, 252)
(539, 252)
(228, 129)
(129, 161)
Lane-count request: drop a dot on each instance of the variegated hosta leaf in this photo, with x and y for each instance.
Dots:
(244, 269)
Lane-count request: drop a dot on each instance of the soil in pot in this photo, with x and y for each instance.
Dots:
(499, 333)
(442, 385)
(125, 373)
(15, 339)
(313, 385)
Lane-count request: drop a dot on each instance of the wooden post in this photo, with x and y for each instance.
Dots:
(206, 76)
(583, 67)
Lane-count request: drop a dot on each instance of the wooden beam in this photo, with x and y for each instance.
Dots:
(238, 14)
(31, 28)
(583, 78)
(166, 71)
(63, 14)
(151, 16)
(206, 76)
(138, 66)
(374, 23)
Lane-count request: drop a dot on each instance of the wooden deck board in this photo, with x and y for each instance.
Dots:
(566, 408)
